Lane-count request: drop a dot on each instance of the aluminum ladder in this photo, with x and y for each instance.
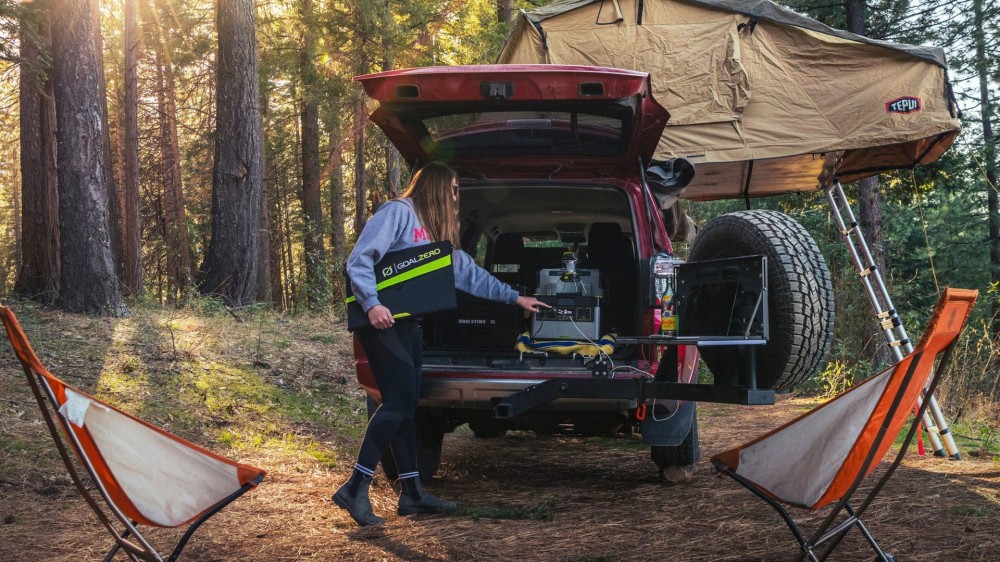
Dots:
(889, 321)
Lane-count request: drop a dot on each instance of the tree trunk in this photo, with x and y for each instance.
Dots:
(989, 157)
(89, 278)
(270, 230)
(392, 171)
(38, 276)
(360, 170)
(855, 15)
(315, 255)
(870, 219)
(14, 257)
(274, 246)
(338, 241)
(114, 213)
(132, 245)
(505, 11)
(231, 262)
(177, 243)
(265, 285)
(287, 255)
(264, 280)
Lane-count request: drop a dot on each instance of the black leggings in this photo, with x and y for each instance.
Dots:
(396, 357)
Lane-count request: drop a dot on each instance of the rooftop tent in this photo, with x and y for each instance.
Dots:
(761, 98)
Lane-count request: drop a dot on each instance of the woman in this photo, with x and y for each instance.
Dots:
(427, 212)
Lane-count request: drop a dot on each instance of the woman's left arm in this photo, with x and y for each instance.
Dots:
(472, 279)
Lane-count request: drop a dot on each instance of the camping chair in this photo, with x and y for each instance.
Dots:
(145, 475)
(822, 457)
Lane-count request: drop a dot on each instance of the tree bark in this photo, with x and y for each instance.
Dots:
(177, 243)
(287, 258)
(855, 16)
(274, 280)
(338, 241)
(265, 285)
(359, 125)
(265, 251)
(505, 11)
(231, 262)
(315, 254)
(132, 245)
(38, 276)
(989, 156)
(870, 219)
(89, 277)
(114, 213)
(392, 169)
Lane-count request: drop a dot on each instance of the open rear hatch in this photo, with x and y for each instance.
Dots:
(520, 121)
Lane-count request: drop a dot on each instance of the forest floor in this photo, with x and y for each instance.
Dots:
(279, 393)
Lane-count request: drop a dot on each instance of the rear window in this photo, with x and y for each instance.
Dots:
(552, 132)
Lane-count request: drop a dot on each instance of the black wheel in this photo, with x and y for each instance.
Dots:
(800, 295)
(430, 439)
(685, 454)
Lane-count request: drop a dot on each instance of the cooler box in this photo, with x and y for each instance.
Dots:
(476, 323)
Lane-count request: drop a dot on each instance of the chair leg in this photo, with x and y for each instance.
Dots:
(806, 550)
(111, 553)
(138, 555)
(853, 520)
(879, 554)
(218, 507)
(914, 427)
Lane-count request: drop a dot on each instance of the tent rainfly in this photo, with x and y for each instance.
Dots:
(762, 99)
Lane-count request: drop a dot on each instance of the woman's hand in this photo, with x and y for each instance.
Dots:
(380, 317)
(531, 304)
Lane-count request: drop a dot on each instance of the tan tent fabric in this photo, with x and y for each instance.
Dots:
(754, 82)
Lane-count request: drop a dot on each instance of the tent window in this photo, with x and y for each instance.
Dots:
(613, 14)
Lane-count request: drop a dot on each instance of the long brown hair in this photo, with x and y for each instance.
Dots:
(434, 201)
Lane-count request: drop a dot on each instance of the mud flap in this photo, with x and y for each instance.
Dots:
(666, 426)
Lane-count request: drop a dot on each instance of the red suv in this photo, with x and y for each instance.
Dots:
(558, 199)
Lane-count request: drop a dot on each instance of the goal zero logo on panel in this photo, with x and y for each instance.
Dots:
(415, 260)
(905, 104)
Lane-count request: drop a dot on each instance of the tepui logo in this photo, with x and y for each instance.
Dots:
(905, 104)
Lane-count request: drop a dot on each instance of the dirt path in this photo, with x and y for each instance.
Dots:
(596, 499)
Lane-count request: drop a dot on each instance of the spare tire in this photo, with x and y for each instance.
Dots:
(800, 295)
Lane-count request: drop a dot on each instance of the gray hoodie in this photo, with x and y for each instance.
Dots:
(395, 226)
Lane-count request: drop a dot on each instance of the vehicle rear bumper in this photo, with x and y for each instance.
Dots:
(483, 393)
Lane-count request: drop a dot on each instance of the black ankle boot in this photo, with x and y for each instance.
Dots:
(353, 496)
(415, 499)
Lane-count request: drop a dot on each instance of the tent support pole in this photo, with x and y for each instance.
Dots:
(891, 324)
